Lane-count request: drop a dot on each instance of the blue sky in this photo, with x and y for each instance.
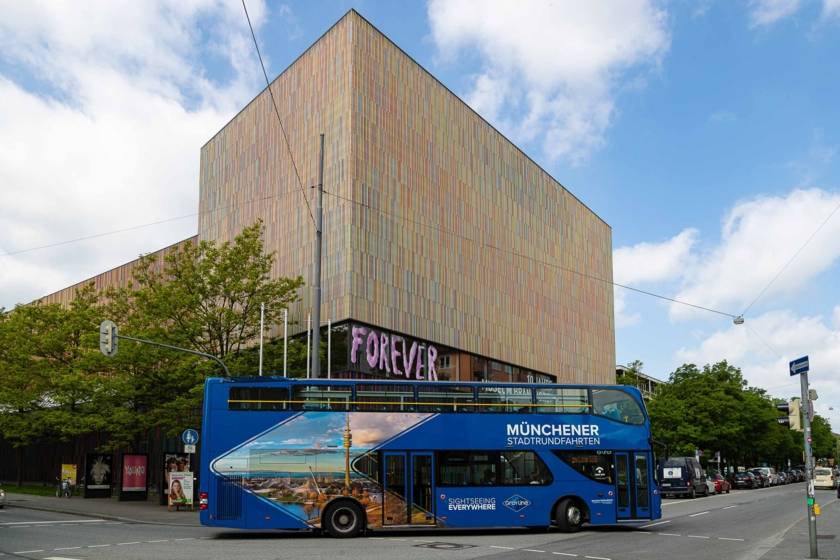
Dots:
(705, 133)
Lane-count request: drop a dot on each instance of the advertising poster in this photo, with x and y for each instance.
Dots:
(98, 475)
(172, 462)
(69, 471)
(134, 476)
(180, 489)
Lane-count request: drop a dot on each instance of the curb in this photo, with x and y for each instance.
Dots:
(97, 515)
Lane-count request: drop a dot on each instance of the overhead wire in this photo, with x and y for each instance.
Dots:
(141, 226)
(527, 257)
(793, 258)
(277, 112)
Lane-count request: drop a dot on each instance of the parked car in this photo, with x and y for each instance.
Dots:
(769, 473)
(682, 476)
(745, 480)
(763, 480)
(824, 478)
(2, 497)
(721, 484)
(783, 479)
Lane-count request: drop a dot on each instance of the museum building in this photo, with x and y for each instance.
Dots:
(448, 253)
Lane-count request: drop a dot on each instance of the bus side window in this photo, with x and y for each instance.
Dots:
(504, 399)
(321, 397)
(384, 398)
(562, 400)
(445, 398)
(617, 405)
(258, 398)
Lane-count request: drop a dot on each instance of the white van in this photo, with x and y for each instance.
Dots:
(824, 478)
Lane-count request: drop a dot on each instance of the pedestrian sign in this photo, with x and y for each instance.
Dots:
(189, 436)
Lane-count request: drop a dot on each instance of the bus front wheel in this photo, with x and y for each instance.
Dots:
(568, 516)
(344, 519)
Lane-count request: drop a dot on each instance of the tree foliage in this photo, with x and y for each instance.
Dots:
(713, 409)
(55, 384)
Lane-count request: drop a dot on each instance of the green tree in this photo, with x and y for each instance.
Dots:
(204, 297)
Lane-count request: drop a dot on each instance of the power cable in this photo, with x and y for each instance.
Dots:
(141, 226)
(277, 112)
(535, 260)
(788, 263)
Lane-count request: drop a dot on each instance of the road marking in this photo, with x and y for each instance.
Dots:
(127, 543)
(59, 558)
(654, 524)
(669, 534)
(193, 538)
(596, 557)
(532, 550)
(729, 507)
(422, 540)
(97, 545)
(696, 514)
(67, 548)
(391, 539)
(728, 539)
(377, 538)
(51, 522)
(502, 547)
(698, 537)
(28, 551)
(564, 554)
(159, 540)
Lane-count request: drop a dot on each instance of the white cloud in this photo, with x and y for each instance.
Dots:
(831, 8)
(758, 237)
(654, 262)
(768, 12)
(645, 263)
(104, 109)
(764, 345)
(551, 71)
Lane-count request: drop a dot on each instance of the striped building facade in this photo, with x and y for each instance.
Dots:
(436, 227)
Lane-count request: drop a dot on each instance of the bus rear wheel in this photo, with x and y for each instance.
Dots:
(568, 516)
(344, 520)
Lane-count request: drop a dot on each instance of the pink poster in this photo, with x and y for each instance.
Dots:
(134, 473)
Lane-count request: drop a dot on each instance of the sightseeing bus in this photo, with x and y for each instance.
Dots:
(346, 456)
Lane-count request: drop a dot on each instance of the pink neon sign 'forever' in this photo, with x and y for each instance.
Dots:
(391, 353)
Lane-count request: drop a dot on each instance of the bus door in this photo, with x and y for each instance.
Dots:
(632, 470)
(408, 497)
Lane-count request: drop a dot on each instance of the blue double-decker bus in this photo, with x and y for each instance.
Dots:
(355, 455)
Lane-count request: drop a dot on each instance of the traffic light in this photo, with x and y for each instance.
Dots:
(108, 338)
(793, 418)
(795, 415)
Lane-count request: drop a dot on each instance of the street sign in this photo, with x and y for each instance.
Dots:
(189, 448)
(799, 365)
(189, 436)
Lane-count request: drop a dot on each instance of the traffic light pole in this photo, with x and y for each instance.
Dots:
(178, 348)
(809, 466)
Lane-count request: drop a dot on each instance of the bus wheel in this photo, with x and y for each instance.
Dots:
(344, 520)
(568, 516)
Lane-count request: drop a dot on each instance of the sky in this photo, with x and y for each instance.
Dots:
(705, 133)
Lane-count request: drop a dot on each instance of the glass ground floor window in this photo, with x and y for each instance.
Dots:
(353, 350)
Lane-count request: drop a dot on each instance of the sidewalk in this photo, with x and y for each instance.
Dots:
(794, 544)
(105, 508)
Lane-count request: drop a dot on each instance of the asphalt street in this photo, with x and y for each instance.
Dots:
(742, 525)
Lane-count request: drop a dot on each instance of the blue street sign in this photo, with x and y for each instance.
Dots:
(799, 366)
(189, 436)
